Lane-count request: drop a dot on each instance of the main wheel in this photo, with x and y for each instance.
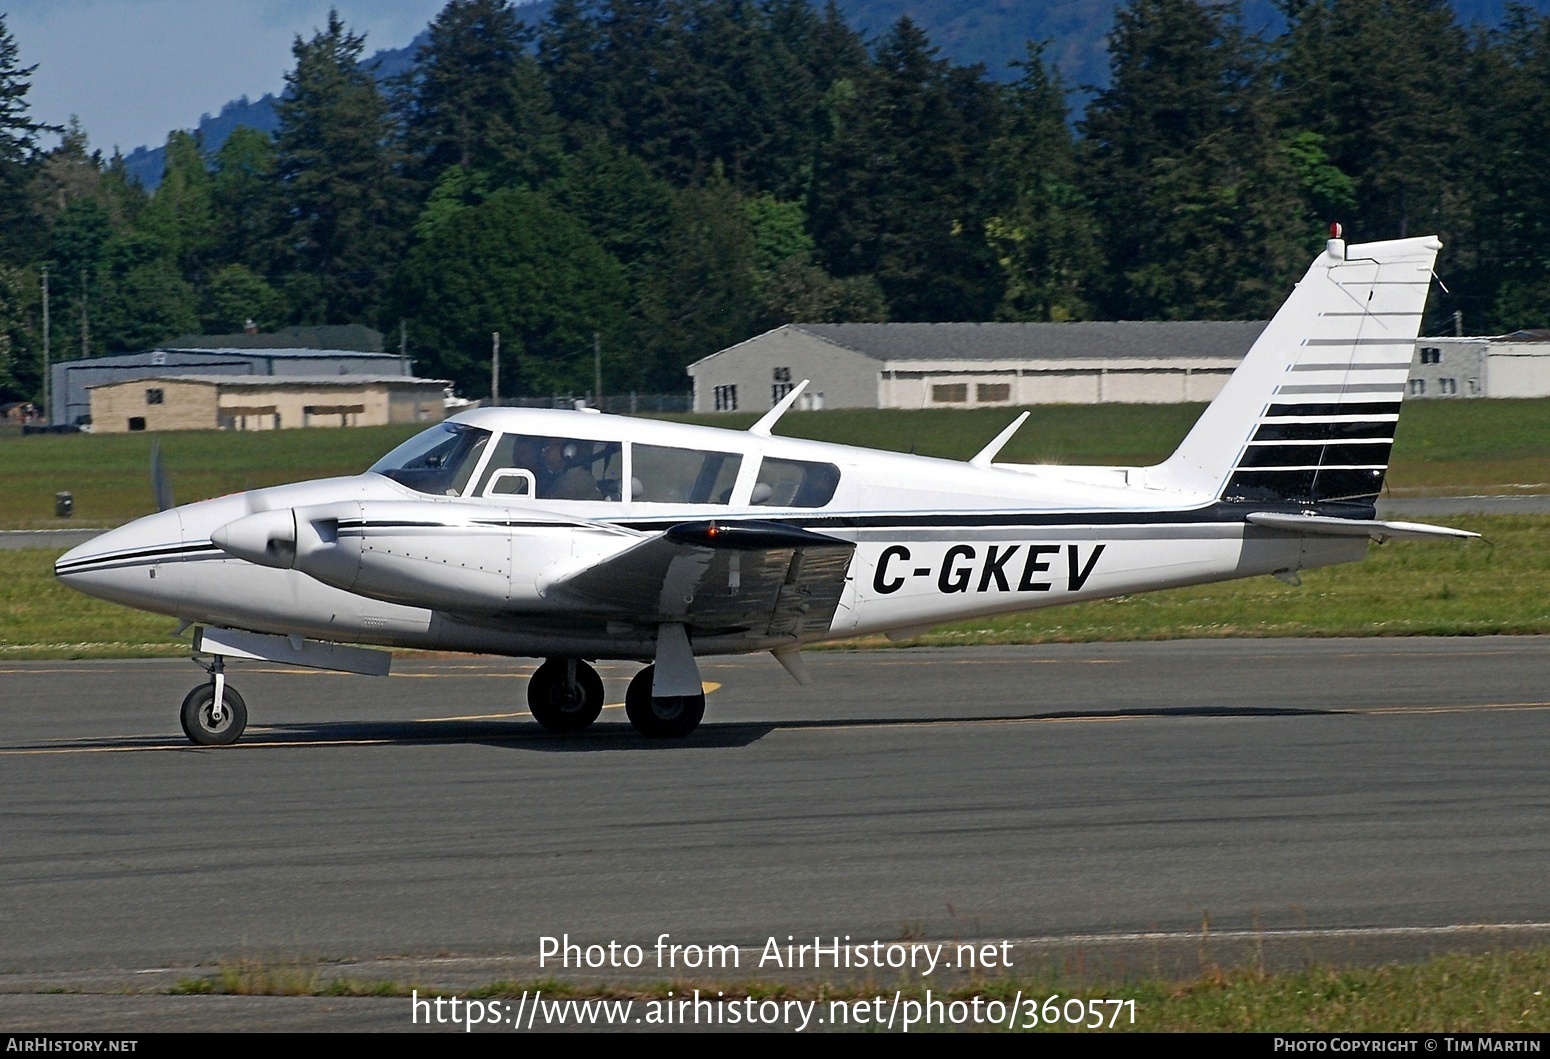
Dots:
(198, 712)
(668, 717)
(563, 704)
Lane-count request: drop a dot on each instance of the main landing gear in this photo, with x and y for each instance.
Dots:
(213, 714)
(566, 695)
(661, 716)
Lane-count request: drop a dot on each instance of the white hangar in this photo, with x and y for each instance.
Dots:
(967, 365)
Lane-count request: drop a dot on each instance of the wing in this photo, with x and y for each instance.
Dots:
(762, 578)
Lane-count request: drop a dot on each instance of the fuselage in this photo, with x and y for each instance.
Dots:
(458, 549)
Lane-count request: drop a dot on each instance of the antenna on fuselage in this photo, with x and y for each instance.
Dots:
(988, 453)
(767, 423)
(161, 484)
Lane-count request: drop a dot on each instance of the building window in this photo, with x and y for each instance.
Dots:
(726, 398)
(1474, 387)
(781, 386)
(1417, 387)
(154, 396)
(1447, 387)
(137, 422)
(993, 392)
(1431, 355)
(950, 393)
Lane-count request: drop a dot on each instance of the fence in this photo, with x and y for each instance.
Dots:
(622, 403)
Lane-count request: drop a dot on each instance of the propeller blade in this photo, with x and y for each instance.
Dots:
(161, 485)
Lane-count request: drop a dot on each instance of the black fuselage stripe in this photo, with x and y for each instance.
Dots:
(137, 556)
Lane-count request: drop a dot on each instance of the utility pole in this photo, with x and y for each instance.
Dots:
(85, 323)
(48, 404)
(597, 371)
(495, 368)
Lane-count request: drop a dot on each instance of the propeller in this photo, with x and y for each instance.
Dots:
(161, 484)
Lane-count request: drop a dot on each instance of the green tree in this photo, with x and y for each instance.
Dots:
(1045, 240)
(1382, 82)
(477, 99)
(180, 215)
(235, 294)
(1199, 210)
(516, 265)
(904, 188)
(341, 217)
(21, 234)
(700, 294)
(243, 202)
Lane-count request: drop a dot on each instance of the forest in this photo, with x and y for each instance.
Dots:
(675, 176)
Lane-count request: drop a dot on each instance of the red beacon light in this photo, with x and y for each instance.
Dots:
(1336, 244)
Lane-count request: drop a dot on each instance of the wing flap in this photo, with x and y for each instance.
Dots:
(760, 578)
(1327, 526)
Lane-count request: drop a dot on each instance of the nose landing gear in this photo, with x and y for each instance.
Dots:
(213, 714)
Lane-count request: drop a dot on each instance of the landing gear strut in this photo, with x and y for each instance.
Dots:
(565, 695)
(661, 717)
(213, 714)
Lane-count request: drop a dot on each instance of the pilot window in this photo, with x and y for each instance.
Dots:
(439, 460)
(549, 468)
(663, 475)
(795, 483)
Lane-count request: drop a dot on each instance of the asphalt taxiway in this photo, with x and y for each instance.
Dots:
(1332, 799)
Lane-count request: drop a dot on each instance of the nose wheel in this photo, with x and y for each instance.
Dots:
(213, 714)
(662, 716)
(565, 695)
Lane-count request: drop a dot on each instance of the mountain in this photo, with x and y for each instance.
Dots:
(993, 33)
(145, 165)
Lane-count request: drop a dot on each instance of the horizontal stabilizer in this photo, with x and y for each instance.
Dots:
(1324, 526)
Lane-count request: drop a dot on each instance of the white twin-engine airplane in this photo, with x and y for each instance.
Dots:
(573, 537)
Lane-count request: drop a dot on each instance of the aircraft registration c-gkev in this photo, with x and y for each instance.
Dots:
(573, 537)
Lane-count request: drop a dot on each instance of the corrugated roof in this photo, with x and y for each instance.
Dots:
(1216, 339)
(262, 353)
(285, 380)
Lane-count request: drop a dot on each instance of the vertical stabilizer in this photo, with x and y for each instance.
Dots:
(1309, 415)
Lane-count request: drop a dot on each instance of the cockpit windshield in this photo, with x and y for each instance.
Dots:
(439, 460)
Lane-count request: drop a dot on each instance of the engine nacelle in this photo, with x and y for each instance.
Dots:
(439, 555)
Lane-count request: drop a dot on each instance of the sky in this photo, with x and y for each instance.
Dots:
(134, 70)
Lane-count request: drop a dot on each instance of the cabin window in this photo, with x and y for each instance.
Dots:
(662, 475)
(439, 460)
(950, 393)
(553, 468)
(795, 483)
(993, 392)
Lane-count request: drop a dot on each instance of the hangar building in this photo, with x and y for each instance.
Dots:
(974, 365)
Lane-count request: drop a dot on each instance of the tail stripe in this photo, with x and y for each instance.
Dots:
(1324, 390)
(1309, 415)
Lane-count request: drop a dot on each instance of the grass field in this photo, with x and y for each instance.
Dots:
(1443, 448)
(1498, 992)
(1498, 585)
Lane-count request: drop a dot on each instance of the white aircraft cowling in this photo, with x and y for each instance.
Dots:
(462, 558)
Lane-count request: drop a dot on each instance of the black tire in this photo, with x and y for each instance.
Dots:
(196, 711)
(562, 708)
(670, 717)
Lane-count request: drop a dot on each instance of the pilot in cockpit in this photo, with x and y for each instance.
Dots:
(561, 476)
